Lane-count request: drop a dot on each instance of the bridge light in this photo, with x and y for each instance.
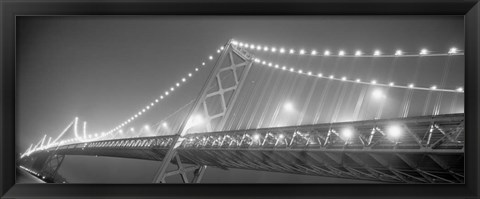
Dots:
(411, 86)
(234, 42)
(358, 53)
(398, 53)
(264, 62)
(177, 84)
(423, 51)
(433, 87)
(221, 48)
(347, 133)
(276, 65)
(210, 57)
(320, 75)
(164, 124)
(252, 46)
(344, 78)
(246, 45)
(256, 137)
(331, 77)
(189, 74)
(143, 110)
(147, 127)
(377, 53)
(358, 80)
(288, 106)
(166, 93)
(257, 60)
(291, 51)
(378, 94)
(161, 96)
(274, 49)
(241, 44)
(292, 69)
(460, 89)
(391, 84)
(394, 131)
(194, 121)
(132, 129)
(453, 51)
(284, 68)
(326, 53)
(270, 64)
(156, 100)
(314, 52)
(300, 71)
(341, 53)
(265, 48)
(282, 50)
(373, 82)
(259, 47)
(96, 134)
(218, 51)
(196, 69)
(302, 52)
(203, 63)
(172, 89)
(309, 73)
(281, 136)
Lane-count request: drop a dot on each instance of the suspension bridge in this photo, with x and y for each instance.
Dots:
(269, 115)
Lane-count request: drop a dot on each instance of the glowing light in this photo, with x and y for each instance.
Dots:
(196, 69)
(300, 71)
(411, 86)
(146, 127)
(177, 84)
(221, 48)
(264, 62)
(460, 89)
(341, 53)
(148, 107)
(256, 137)
(309, 73)
(373, 82)
(276, 65)
(265, 48)
(235, 43)
(281, 136)
(218, 51)
(302, 52)
(423, 51)
(203, 63)
(156, 100)
(189, 74)
(394, 131)
(378, 94)
(252, 46)
(292, 69)
(274, 49)
(320, 74)
(194, 121)
(257, 60)
(284, 68)
(326, 53)
(132, 129)
(377, 53)
(96, 134)
(183, 80)
(259, 47)
(288, 106)
(241, 44)
(358, 80)
(347, 133)
(452, 50)
(164, 124)
(358, 53)
(210, 57)
(246, 45)
(282, 50)
(291, 51)
(161, 96)
(166, 93)
(270, 64)
(314, 52)
(433, 87)
(331, 77)
(344, 78)
(391, 84)
(398, 53)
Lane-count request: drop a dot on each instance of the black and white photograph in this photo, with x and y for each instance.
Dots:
(240, 99)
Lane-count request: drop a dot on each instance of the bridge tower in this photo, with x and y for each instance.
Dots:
(235, 61)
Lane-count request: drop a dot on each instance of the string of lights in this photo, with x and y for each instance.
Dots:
(373, 82)
(342, 53)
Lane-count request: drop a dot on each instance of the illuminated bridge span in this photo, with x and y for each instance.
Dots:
(215, 130)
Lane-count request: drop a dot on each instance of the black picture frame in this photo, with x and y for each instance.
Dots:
(10, 9)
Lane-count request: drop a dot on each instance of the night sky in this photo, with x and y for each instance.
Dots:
(104, 69)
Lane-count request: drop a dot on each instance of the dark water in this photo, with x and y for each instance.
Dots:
(90, 169)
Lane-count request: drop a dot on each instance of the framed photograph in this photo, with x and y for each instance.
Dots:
(239, 99)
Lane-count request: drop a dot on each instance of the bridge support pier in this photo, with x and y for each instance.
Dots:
(198, 171)
(51, 166)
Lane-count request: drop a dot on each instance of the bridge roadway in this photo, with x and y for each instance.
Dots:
(429, 149)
